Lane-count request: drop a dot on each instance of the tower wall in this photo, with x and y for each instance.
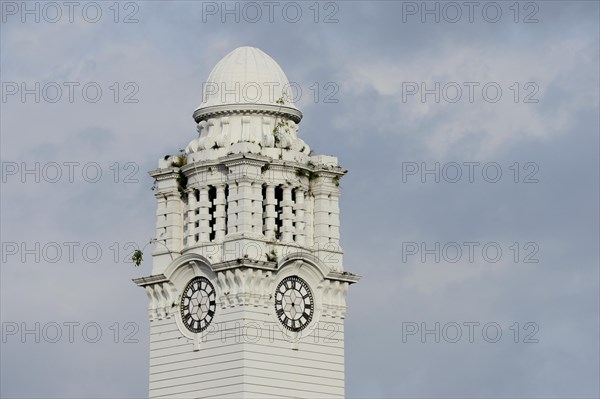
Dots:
(247, 357)
(246, 352)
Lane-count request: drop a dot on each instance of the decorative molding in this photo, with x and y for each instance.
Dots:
(162, 296)
(245, 287)
(260, 109)
(334, 298)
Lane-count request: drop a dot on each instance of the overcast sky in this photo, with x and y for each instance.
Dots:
(528, 75)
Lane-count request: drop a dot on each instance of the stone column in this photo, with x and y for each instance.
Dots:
(161, 222)
(232, 209)
(309, 217)
(257, 208)
(321, 218)
(334, 219)
(299, 207)
(269, 216)
(220, 215)
(244, 205)
(287, 215)
(204, 216)
(174, 222)
(191, 217)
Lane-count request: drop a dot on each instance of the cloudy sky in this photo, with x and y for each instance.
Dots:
(93, 96)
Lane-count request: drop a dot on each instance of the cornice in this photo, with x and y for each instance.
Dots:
(150, 280)
(231, 109)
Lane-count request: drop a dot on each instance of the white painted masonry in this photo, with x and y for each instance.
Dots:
(245, 207)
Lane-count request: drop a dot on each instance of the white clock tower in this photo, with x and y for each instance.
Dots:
(247, 292)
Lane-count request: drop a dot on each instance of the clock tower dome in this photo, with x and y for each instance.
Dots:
(247, 291)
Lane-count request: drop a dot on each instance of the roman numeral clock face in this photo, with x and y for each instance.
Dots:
(294, 303)
(198, 304)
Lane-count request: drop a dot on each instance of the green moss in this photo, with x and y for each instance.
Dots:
(182, 185)
(271, 256)
(137, 257)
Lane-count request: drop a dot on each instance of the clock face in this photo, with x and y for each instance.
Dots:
(198, 304)
(294, 303)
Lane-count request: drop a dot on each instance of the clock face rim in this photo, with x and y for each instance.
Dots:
(280, 313)
(212, 304)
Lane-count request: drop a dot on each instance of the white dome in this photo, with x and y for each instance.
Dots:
(247, 79)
